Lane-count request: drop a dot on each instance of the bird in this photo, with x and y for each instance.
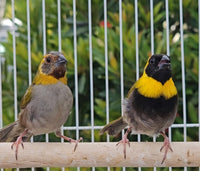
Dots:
(45, 106)
(150, 106)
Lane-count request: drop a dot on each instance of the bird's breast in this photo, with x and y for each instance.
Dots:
(149, 115)
(49, 108)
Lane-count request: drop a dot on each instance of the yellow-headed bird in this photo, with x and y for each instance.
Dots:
(151, 104)
(45, 106)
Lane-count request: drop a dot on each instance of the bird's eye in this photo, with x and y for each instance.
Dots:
(48, 59)
(152, 60)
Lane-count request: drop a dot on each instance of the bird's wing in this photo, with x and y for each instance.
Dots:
(27, 97)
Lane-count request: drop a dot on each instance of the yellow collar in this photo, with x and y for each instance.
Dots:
(151, 88)
(44, 79)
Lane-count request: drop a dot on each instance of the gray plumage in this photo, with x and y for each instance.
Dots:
(44, 107)
(47, 111)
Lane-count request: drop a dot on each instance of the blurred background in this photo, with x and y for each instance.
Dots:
(107, 44)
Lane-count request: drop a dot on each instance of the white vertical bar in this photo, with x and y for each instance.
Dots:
(76, 69)
(62, 132)
(152, 42)
(14, 61)
(121, 55)
(170, 138)
(136, 40)
(63, 169)
(137, 53)
(44, 48)
(183, 74)
(106, 68)
(29, 42)
(167, 26)
(183, 70)
(152, 28)
(1, 106)
(121, 60)
(76, 72)
(106, 64)
(168, 53)
(154, 140)
(91, 70)
(167, 41)
(44, 26)
(152, 46)
(60, 49)
(59, 27)
(47, 140)
(29, 50)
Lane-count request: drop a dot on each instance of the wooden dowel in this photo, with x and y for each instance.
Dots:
(140, 154)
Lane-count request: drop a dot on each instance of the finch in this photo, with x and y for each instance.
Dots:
(151, 104)
(45, 106)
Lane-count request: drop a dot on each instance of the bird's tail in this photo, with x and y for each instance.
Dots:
(11, 132)
(114, 127)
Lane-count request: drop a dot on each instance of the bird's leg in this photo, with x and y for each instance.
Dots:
(58, 134)
(166, 145)
(125, 141)
(19, 141)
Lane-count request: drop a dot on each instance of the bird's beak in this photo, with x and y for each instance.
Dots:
(164, 62)
(61, 60)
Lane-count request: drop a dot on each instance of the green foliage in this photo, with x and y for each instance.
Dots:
(190, 19)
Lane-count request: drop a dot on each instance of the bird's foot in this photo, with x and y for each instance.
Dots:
(125, 141)
(165, 146)
(18, 142)
(72, 140)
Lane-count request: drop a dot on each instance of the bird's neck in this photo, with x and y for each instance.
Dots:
(44, 79)
(151, 88)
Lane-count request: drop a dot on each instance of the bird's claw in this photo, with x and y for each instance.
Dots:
(167, 146)
(125, 141)
(70, 140)
(76, 143)
(16, 143)
(19, 141)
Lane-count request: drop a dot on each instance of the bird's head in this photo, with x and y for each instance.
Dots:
(54, 64)
(158, 67)
(51, 69)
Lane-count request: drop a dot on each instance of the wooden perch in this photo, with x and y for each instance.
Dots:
(143, 154)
